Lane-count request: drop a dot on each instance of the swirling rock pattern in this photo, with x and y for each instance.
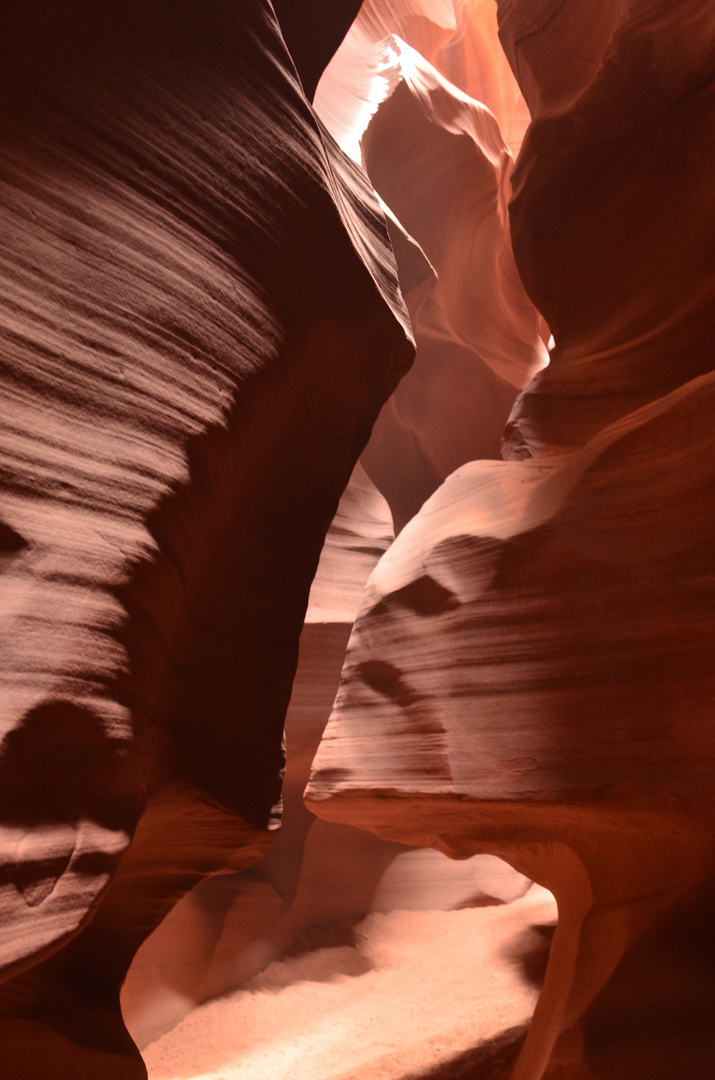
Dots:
(531, 672)
(613, 208)
(529, 676)
(316, 874)
(185, 255)
(440, 162)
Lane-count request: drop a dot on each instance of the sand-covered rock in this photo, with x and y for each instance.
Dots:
(229, 927)
(415, 994)
(316, 874)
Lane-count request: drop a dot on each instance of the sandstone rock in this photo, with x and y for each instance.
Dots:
(613, 207)
(530, 675)
(186, 257)
(312, 30)
(438, 159)
(225, 930)
(459, 39)
(474, 60)
(316, 874)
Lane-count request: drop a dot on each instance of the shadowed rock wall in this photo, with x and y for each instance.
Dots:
(201, 321)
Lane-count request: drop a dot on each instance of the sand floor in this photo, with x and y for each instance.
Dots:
(416, 989)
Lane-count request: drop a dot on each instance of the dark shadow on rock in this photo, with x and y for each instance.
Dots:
(479, 899)
(493, 1060)
(322, 954)
(11, 543)
(529, 952)
(59, 766)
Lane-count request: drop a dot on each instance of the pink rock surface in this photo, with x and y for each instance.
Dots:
(440, 163)
(185, 252)
(530, 676)
(438, 160)
(201, 321)
(457, 37)
(316, 874)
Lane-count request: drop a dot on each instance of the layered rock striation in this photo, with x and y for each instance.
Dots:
(201, 320)
(530, 676)
(530, 673)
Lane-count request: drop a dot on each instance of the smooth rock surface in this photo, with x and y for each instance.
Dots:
(438, 159)
(530, 675)
(613, 210)
(316, 874)
(440, 163)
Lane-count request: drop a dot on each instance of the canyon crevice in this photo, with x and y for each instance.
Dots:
(355, 358)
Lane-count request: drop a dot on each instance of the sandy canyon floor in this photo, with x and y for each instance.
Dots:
(408, 994)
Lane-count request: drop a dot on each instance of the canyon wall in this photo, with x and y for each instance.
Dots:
(203, 318)
(186, 254)
(531, 670)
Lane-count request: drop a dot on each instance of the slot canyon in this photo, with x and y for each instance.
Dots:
(357, 516)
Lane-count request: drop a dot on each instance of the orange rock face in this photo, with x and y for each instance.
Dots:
(316, 873)
(611, 211)
(531, 671)
(201, 321)
(440, 163)
(530, 676)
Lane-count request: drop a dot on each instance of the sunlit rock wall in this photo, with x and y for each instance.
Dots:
(531, 671)
(441, 164)
(201, 322)
(317, 876)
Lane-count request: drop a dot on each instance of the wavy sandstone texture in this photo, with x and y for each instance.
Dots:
(531, 672)
(459, 38)
(530, 675)
(439, 161)
(185, 255)
(201, 322)
(316, 874)
(613, 207)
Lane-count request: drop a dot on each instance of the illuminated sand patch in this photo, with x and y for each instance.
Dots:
(418, 989)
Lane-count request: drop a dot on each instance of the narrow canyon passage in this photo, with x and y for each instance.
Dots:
(357, 498)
